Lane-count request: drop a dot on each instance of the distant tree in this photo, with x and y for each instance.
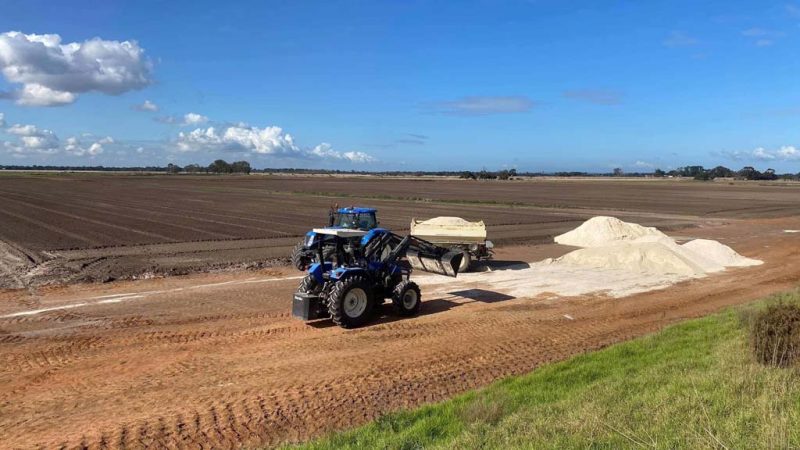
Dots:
(749, 173)
(219, 166)
(691, 171)
(467, 175)
(192, 168)
(512, 172)
(721, 172)
(618, 172)
(769, 174)
(172, 168)
(703, 176)
(486, 175)
(659, 173)
(504, 174)
(241, 167)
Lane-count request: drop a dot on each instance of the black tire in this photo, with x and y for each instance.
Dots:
(406, 298)
(343, 302)
(300, 258)
(309, 285)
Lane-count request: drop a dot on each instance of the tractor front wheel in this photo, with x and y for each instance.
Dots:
(406, 298)
(350, 302)
(300, 257)
(309, 285)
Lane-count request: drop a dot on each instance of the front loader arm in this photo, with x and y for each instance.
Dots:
(425, 256)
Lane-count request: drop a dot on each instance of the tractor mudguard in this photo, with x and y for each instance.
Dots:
(367, 238)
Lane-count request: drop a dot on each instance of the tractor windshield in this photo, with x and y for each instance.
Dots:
(360, 221)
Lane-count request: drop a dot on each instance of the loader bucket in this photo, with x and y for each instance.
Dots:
(445, 263)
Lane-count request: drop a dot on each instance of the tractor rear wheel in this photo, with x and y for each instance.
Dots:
(406, 298)
(350, 302)
(300, 258)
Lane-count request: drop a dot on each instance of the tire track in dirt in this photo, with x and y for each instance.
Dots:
(229, 368)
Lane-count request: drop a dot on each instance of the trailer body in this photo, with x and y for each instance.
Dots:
(457, 234)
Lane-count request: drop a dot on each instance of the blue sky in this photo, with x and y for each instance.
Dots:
(535, 85)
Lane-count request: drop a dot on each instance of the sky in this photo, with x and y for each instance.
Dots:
(534, 85)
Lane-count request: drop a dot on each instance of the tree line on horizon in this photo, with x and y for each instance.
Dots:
(221, 166)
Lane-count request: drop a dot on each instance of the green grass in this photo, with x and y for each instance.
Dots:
(692, 385)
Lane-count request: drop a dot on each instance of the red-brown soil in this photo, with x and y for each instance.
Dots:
(215, 361)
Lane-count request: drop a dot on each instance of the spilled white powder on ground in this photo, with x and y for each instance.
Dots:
(620, 260)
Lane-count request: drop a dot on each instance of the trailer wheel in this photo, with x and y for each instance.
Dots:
(406, 298)
(300, 258)
(350, 302)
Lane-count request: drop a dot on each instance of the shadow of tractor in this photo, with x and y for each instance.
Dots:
(493, 265)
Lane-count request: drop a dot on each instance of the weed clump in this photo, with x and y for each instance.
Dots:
(775, 334)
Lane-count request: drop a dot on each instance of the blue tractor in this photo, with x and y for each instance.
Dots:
(365, 269)
(352, 218)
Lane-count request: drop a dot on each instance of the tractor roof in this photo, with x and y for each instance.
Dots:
(356, 210)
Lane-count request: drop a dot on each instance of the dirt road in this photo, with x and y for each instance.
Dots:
(215, 361)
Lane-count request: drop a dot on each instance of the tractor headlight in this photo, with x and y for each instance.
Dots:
(310, 240)
(473, 247)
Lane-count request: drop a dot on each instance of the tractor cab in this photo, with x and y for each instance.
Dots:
(354, 218)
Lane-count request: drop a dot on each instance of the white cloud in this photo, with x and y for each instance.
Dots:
(762, 154)
(644, 165)
(788, 152)
(784, 153)
(263, 141)
(51, 73)
(22, 130)
(483, 105)
(267, 141)
(31, 139)
(38, 95)
(2, 120)
(187, 119)
(325, 151)
(194, 119)
(74, 146)
(147, 106)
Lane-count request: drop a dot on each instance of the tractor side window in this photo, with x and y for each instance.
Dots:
(347, 221)
(366, 221)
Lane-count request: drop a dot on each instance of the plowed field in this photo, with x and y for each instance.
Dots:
(97, 227)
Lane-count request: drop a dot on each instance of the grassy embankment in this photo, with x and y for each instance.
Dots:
(692, 385)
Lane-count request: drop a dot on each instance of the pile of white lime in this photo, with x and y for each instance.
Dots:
(610, 243)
